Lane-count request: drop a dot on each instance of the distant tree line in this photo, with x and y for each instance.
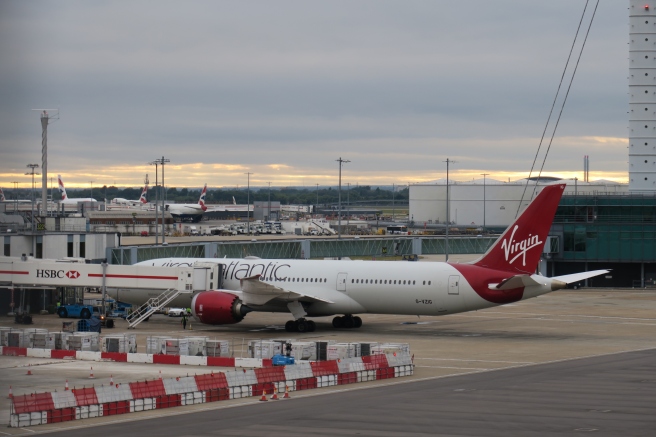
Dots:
(286, 196)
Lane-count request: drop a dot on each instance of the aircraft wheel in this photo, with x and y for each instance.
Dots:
(85, 314)
(63, 313)
(289, 326)
(311, 326)
(338, 322)
(358, 322)
(301, 325)
(349, 322)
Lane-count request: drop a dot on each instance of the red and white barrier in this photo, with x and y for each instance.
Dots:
(53, 407)
(135, 357)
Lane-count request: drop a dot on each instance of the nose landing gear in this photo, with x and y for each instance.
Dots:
(347, 321)
(300, 325)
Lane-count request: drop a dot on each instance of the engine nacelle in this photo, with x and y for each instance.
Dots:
(218, 308)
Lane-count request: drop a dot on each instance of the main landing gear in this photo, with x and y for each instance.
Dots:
(300, 325)
(347, 321)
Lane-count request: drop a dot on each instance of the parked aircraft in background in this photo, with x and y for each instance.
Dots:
(309, 288)
(233, 207)
(3, 199)
(68, 200)
(188, 212)
(142, 199)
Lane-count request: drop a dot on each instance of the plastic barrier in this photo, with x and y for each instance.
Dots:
(121, 357)
(76, 404)
(211, 381)
(85, 396)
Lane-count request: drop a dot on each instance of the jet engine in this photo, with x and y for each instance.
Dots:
(218, 308)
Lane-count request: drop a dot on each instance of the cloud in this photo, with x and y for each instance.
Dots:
(282, 89)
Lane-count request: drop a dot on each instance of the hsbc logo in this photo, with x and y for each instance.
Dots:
(60, 274)
(72, 274)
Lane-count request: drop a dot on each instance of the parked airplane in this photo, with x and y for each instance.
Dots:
(67, 200)
(307, 288)
(142, 199)
(4, 199)
(189, 212)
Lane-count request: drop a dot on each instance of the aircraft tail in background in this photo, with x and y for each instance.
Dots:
(201, 201)
(62, 190)
(144, 192)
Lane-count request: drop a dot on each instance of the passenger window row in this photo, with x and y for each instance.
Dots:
(297, 279)
(386, 281)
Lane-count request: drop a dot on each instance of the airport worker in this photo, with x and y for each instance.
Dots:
(184, 321)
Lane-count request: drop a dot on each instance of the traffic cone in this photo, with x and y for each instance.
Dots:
(11, 394)
(29, 371)
(286, 395)
(91, 374)
(66, 388)
(111, 379)
(263, 398)
(275, 395)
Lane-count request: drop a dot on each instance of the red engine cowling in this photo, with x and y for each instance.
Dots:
(217, 308)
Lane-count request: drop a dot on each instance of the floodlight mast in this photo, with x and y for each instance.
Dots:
(46, 119)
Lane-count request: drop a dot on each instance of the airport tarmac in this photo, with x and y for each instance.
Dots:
(554, 328)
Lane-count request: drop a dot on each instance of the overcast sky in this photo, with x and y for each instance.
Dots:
(282, 89)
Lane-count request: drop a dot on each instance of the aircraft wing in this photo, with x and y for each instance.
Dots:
(576, 277)
(257, 292)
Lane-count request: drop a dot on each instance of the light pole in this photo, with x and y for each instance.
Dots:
(161, 161)
(448, 216)
(393, 208)
(484, 175)
(91, 183)
(248, 204)
(15, 196)
(32, 167)
(155, 163)
(269, 207)
(316, 208)
(339, 198)
(348, 205)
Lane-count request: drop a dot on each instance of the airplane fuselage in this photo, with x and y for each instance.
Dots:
(358, 287)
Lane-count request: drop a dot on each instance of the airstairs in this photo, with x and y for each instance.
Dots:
(206, 276)
(324, 227)
(153, 305)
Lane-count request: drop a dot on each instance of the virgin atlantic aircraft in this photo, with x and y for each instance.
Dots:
(506, 273)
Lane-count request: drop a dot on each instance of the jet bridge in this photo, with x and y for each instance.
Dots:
(28, 272)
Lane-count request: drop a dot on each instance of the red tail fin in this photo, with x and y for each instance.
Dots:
(519, 248)
(144, 192)
(61, 188)
(201, 201)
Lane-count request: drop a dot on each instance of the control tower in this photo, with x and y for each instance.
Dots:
(642, 96)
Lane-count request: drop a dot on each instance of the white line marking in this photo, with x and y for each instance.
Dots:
(447, 367)
(480, 361)
(567, 315)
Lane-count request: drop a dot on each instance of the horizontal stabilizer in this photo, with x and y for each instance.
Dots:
(576, 277)
(516, 281)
